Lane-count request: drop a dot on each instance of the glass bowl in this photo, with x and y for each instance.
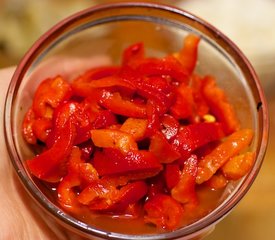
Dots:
(98, 36)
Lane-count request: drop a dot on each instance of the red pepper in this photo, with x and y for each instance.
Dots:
(71, 126)
(118, 105)
(158, 90)
(113, 138)
(129, 194)
(201, 107)
(49, 94)
(132, 55)
(183, 108)
(102, 196)
(220, 106)
(162, 149)
(98, 73)
(153, 122)
(172, 175)
(184, 191)
(163, 211)
(137, 164)
(27, 127)
(188, 54)
(193, 136)
(104, 119)
(169, 126)
(74, 112)
(168, 66)
(50, 165)
(156, 185)
(42, 128)
(232, 146)
(79, 175)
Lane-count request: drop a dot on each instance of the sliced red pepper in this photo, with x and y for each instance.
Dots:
(98, 73)
(184, 191)
(188, 54)
(167, 66)
(74, 112)
(42, 128)
(232, 146)
(79, 174)
(85, 85)
(104, 119)
(49, 94)
(27, 127)
(113, 138)
(153, 122)
(162, 149)
(136, 127)
(118, 105)
(193, 136)
(156, 185)
(50, 165)
(67, 196)
(238, 166)
(220, 106)
(163, 211)
(137, 164)
(217, 181)
(133, 54)
(102, 196)
(71, 125)
(158, 90)
(183, 108)
(172, 175)
(129, 194)
(169, 126)
(201, 107)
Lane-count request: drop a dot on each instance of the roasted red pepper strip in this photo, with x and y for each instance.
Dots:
(193, 136)
(98, 73)
(129, 194)
(219, 105)
(137, 164)
(42, 128)
(238, 166)
(232, 146)
(153, 121)
(50, 93)
(184, 191)
(163, 211)
(27, 127)
(172, 175)
(118, 105)
(162, 149)
(112, 138)
(188, 54)
(71, 126)
(80, 174)
(50, 165)
(102, 196)
(169, 126)
(136, 127)
(201, 107)
(158, 90)
(183, 108)
(74, 112)
(132, 55)
(168, 66)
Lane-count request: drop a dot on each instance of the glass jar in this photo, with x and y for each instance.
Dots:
(97, 36)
